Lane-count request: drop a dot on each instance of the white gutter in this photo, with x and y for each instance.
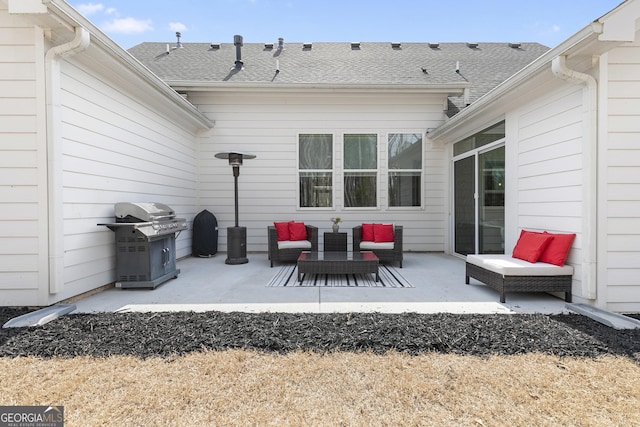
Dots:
(54, 153)
(589, 170)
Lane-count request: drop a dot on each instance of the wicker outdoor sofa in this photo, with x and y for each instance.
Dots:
(504, 273)
(288, 251)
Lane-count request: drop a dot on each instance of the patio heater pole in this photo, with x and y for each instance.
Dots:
(236, 236)
(236, 173)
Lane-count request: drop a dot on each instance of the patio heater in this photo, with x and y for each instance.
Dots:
(236, 236)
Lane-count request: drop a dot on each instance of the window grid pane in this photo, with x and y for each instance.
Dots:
(405, 151)
(404, 189)
(360, 189)
(316, 189)
(360, 152)
(316, 151)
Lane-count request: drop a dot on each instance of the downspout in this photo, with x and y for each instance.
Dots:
(54, 153)
(590, 169)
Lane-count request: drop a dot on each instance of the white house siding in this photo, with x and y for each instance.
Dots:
(268, 124)
(548, 170)
(22, 192)
(115, 148)
(620, 177)
(119, 139)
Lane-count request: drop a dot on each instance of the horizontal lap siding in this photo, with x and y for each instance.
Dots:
(267, 125)
(21, 246)
(550, 162)
(115, 149)
(621, 175)
(549, 167)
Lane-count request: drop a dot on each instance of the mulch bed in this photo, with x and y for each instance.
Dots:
(168, 334)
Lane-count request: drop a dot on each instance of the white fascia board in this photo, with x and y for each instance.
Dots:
(65, 12)
(208, 86)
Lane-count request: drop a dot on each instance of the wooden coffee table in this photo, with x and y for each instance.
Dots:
(337, 263)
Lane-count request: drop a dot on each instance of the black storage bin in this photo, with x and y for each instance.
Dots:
(205, 235)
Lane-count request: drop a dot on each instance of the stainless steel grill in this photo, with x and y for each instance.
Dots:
(145, 243)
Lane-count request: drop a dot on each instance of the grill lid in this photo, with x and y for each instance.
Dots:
(143, 212)
(151, 219)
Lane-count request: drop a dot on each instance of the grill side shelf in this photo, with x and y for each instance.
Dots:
(113, 226)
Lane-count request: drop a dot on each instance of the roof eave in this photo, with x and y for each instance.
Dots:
(67, 14)
(594, 39)
(450, 89)
(505, 88)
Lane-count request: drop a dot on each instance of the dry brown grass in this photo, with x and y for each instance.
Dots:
(340, 389)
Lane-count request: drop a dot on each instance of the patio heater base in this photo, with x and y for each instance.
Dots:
(236, 245)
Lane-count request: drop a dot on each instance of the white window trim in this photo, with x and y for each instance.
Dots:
(423, 174)
(378, 172)
(333, 171)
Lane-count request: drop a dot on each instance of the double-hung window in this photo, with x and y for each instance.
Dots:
(405, 169)
(360, 170)
(315, 169)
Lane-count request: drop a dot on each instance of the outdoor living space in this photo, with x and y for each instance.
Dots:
(205, 284)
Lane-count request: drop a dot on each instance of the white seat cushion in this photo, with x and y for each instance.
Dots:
(294, 244)
(368, 246)
(509, 266)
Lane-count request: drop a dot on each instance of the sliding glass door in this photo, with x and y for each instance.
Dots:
(479, 185)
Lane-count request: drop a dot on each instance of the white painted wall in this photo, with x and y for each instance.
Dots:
(267, 124)
(22, 190)
(546, 164)
(620, 181)
(120, 140)
(115, 148)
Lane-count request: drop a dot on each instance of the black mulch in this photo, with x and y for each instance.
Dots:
(167, 334)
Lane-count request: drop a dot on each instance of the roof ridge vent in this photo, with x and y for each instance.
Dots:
(214, 46)
(396, 45)
(434, 45)
(307, 46)
(268, 46)
(355, 45)
(515, 45)
(472, 45)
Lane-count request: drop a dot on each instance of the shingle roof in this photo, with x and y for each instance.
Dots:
(368, 63)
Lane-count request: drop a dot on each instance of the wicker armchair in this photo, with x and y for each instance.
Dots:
(289, 254)
(385, 255)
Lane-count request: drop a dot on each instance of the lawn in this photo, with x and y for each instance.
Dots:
(185, 369)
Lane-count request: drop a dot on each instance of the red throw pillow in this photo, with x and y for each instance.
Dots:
(297, 231)
(558, 249)
(531, 245)
(282, 231)
(367, 233)
(382, 233)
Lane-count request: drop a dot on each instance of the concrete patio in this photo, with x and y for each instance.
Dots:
(206, 284)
